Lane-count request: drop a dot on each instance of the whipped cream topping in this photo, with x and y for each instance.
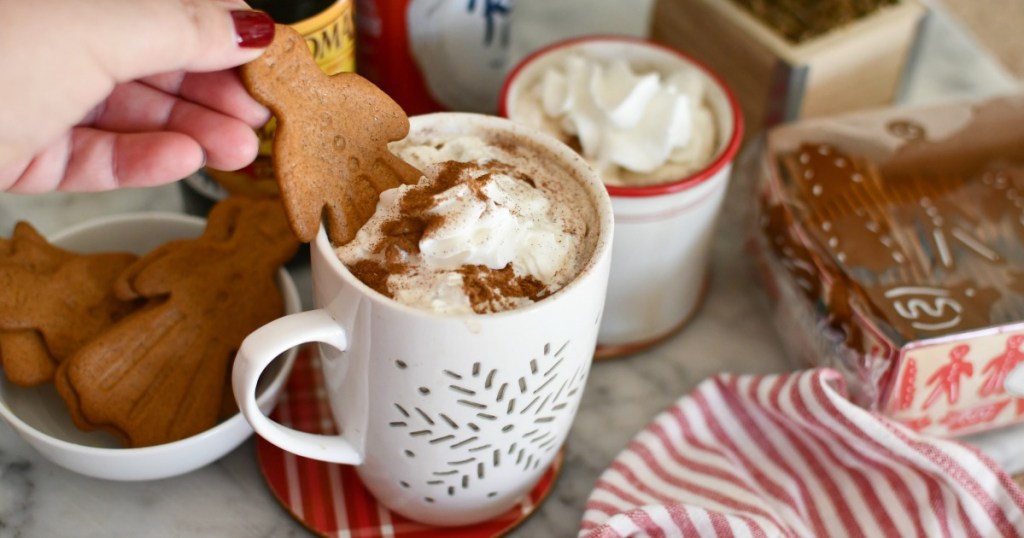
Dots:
(495, 220)
(634, 127)
(473, 236)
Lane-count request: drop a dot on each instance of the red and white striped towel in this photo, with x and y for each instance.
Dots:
(789, 455)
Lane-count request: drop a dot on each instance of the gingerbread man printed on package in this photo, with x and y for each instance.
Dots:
(947, 378)
(1001, 365)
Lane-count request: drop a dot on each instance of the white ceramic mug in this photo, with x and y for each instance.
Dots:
(663, 232)
(450, 420)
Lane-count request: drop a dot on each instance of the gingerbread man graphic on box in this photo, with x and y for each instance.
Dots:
(1001, 365)
(947, 378)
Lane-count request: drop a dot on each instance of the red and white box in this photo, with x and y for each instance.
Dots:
(892, 245)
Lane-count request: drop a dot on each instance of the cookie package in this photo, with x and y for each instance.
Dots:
(892, 245)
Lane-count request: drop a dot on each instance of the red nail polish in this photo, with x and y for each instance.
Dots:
(253, 29)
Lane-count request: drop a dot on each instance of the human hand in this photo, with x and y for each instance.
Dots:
(125, 93)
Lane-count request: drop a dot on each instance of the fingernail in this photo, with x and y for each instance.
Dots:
(253, 29)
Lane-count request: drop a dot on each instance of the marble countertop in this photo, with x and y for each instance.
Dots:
(229, 497)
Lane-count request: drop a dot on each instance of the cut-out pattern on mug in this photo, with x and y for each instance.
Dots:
(507, 414)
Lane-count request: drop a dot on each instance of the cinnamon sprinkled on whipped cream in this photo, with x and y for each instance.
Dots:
(474, 236)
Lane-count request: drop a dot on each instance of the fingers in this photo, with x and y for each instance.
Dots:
(219, 90)
(44, 172)
(92, 46)
(190, 35)
(136, 107)
(226, 140)
(98, 160)
(93, 160)
(103, 160)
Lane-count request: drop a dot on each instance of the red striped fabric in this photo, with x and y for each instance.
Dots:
(789, 455)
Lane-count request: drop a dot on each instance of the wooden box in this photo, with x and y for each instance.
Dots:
(856, 66)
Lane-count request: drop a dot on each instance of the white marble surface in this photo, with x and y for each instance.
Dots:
(229, 498)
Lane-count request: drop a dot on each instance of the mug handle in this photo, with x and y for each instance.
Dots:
(257, 351)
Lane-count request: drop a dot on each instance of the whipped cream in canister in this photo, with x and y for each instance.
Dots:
(635, 126)
(478, 233)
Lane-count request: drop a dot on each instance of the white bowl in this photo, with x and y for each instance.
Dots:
(40, 417)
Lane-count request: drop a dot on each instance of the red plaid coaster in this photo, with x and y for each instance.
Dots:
(328, 498)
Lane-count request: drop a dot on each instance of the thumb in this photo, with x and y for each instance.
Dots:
(188, 35)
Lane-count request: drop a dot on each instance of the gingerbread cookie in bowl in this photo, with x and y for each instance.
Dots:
(52, 301)
(159, 374)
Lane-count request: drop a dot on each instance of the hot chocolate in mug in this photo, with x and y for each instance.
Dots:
(449, 419)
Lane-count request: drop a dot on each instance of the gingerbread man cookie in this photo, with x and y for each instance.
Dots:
(159, 374)
(52, 302)
(330, 145)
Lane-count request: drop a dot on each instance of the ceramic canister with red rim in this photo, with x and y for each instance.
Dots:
(665, 217)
